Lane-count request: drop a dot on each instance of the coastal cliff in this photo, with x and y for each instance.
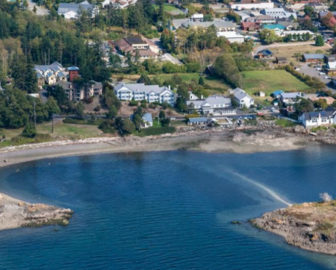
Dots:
(310, 226)
(16, 213)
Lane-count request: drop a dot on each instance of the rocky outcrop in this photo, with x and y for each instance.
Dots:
(310, 226)
(16, 213)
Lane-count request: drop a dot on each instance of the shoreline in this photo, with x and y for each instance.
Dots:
(235, 141)
(16, 213)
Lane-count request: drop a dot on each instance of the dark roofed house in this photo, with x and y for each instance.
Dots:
(264, 54)
(281, 60)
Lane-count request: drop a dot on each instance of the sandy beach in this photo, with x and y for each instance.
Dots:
(207, 141)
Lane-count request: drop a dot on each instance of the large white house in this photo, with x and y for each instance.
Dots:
(242, 98)
(140, 91)
(291, 98)
(74, 10)
(215, 104)
(315, 119)
(251, 4)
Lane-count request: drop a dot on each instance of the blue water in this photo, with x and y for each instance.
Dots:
(165, 210)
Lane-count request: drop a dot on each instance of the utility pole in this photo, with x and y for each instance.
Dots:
(52, 123)
(34, 114)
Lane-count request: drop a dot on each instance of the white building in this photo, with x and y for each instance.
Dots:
(251, 4)
(197, 17)
(278, 13)
(74, 10)
(243, 99)
(315, 119)
(212, 105)
(283, 33)
(232, 36)
(140, 91)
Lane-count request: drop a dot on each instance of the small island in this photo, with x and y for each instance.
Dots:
(310, 226)
(16, 213)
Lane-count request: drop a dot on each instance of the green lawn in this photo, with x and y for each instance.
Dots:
(171, 9)
(271, 80)
(212, 84)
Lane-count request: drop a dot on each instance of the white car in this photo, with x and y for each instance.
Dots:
(322, 73)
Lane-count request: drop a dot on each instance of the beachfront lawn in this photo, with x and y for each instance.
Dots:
(73, 131)
(271, 80)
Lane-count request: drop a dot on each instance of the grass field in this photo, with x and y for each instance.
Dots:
(213, 85)
(172, 10)
(271, 80)
(61, 130)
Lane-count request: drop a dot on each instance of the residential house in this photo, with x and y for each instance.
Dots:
(216, 105)
(250, 26)
(74, 10)
(251, 4)
(281, 60)
(315, 119)
(277, 93)
(136, 46)
(264, 54)
(331, 65)
(50, 74)
(198, 121)
(197, 17)
(147, 120)
(291, 98)
(313, 58)
(121, 4)
(75, 92)
(242, 98)
(140, 91)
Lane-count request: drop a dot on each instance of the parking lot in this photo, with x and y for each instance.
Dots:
(314, 72)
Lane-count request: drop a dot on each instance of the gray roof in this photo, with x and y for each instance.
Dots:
(240, 93)
(218, 23)
(67, 7)
(141, 87)
(313, 56)
(198, 120)
(212, 101)
(55, 67)
(147, 117)
(292, 95)
(218, 100)
(314, 115)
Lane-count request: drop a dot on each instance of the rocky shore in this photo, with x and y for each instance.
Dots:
(310, 226)
(15, 213)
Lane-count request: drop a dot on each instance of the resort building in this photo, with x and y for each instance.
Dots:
(278, 13)
(149, 93)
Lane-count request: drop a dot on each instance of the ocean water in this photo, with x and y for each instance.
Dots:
(165, 210)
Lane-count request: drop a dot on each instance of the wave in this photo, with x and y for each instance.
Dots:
(264, 188)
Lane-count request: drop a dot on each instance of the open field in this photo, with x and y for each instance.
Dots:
(73, 131)
(271, 80)
(170, 9)
(290, 50)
